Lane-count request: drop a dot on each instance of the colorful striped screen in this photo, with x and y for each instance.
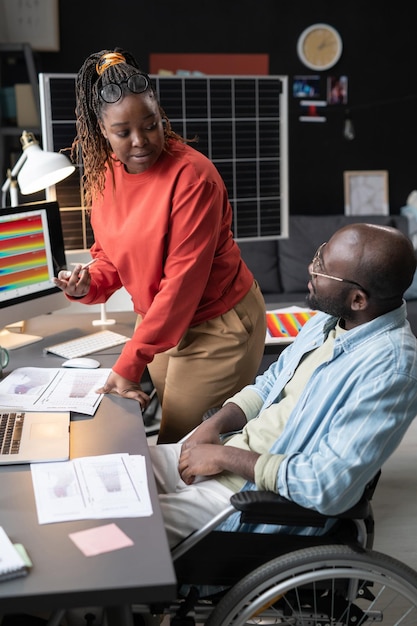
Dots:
(287, 324)
(23, 259)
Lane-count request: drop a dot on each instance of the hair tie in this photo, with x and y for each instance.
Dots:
(107, 60)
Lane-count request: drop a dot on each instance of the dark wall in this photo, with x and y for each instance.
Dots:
(379, 58)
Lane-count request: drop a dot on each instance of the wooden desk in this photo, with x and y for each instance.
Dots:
(62, 577)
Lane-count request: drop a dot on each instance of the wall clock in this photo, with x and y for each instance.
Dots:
(319, 47)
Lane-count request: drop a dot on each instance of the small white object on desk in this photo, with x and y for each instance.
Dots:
(82, 362)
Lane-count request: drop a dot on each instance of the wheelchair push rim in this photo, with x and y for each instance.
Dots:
(327, 585)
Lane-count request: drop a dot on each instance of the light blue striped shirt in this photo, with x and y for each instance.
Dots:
(350, 417)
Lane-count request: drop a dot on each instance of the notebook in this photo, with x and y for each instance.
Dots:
(32, 437)
(12, 562)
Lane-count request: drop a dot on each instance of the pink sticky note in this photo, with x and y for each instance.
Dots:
(100, 539)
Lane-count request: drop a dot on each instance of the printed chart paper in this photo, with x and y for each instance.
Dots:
(93, 487)
(53, 389)
(283, 325)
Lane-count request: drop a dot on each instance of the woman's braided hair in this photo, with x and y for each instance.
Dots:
(89, 145)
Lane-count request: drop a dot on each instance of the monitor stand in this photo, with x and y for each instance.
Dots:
(11, 340)
(104, 320)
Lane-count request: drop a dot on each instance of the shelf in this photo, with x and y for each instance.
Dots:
(16, 131)
(11, 55)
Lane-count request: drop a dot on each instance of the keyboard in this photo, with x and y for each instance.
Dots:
(87, 345)
(11, 426)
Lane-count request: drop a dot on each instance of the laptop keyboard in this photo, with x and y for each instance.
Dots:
(11, 425)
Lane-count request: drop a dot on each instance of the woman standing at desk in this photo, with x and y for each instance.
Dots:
(162, 227)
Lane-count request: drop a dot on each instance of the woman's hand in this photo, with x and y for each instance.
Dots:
(76, 283)
(125, 388)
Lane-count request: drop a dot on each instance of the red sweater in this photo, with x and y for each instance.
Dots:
(165, 235)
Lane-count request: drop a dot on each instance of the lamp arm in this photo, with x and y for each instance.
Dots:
(19, 164)
(10, 183)
(7, 183)
(14, 172)
(6, 186)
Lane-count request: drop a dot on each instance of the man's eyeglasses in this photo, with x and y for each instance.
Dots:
(317, 261)
(112, 92)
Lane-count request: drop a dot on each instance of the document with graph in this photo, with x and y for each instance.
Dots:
(53, 389)
(283, 325)
(93, 487)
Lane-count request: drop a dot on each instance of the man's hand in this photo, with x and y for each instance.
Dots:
(227, 419)
(206, 432)
(211, 459)
(200, 460)
(126, 388)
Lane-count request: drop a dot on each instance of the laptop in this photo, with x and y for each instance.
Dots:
(33, 437)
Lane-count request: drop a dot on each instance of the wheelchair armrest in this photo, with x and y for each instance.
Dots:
(267, 507)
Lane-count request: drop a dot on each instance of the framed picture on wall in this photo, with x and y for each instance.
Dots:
(366, 192)
(306, 86)
(337, 90)
(34, 22)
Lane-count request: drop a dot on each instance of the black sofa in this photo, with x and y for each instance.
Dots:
(280, 266)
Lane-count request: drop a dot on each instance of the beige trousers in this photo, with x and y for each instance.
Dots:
(213, 361)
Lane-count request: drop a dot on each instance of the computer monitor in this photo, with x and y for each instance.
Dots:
(31, 253)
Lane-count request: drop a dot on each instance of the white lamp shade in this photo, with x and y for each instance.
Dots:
(42, 169)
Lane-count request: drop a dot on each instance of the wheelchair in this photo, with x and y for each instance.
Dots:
(332, 579)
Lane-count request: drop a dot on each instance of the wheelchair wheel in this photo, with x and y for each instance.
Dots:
(324, 585)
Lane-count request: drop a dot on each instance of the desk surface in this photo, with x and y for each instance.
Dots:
(62, 577)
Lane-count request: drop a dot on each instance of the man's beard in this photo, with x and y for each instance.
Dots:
(331, 306)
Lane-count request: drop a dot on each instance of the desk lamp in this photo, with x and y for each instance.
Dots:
(35, 170)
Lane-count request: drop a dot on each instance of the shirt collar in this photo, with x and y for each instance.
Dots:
(379, 325)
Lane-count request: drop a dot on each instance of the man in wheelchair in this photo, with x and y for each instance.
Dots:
(320, 422)
(314, 429)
